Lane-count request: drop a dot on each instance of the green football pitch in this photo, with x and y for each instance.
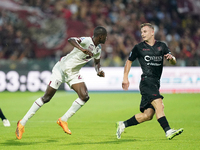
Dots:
(93, 126)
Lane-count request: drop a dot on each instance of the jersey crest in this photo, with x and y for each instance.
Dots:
(159, 48)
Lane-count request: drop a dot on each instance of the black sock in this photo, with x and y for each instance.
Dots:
(1, 115)
(131, 122)
(164, 123)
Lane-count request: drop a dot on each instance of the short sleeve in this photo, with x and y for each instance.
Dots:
(166, 49)
(84, 42)
(134, 53)
(82, 38)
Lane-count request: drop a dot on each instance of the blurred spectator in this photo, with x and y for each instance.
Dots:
(180, 30)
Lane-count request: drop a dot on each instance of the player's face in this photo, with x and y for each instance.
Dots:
(147, 33)
(103, 38)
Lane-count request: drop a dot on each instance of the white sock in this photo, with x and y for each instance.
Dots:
(36, 105)
(76, 105)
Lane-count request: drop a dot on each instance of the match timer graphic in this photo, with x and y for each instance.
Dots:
(30, 81)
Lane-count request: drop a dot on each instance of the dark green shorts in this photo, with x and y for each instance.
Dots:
(149, 89)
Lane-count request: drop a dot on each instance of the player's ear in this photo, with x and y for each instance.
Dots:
(152, 31)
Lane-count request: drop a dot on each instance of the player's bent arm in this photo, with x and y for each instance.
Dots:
(76, 43)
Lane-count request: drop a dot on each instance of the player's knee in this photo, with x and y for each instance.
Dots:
(148, 117)
(46, 99)
(161, 107)
(85, 97)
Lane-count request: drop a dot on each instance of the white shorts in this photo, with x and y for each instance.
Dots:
(69, 77)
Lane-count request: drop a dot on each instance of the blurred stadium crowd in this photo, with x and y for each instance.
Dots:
(22, 23)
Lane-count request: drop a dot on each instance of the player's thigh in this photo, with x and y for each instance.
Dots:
(81, 90)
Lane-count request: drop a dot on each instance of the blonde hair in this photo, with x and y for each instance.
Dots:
(146, 24)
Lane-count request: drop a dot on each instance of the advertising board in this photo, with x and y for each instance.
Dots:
(173, 80)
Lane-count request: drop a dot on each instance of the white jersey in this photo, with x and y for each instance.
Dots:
(76, 59)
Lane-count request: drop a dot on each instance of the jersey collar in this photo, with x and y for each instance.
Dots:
(150, 45)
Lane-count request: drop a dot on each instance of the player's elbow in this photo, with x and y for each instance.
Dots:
(69, 40)
(74, 39)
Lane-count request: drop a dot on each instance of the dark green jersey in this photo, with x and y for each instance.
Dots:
(150, 58)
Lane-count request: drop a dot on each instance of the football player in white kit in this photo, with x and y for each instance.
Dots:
(67, 70)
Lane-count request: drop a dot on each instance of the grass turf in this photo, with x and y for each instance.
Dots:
(93, 126)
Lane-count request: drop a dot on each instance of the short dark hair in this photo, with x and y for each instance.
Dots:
(99, 30)
(146, 24)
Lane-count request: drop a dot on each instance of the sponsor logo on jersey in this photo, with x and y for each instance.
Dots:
(153, 58)
(146, 49)
(153, 64)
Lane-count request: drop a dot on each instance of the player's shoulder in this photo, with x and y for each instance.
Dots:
(161, 43)
(139, 45)
(86, 39)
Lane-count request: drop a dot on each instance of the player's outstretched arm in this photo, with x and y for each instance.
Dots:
(171, 58)
(76, 43)
(125, 82)
(98, 69)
